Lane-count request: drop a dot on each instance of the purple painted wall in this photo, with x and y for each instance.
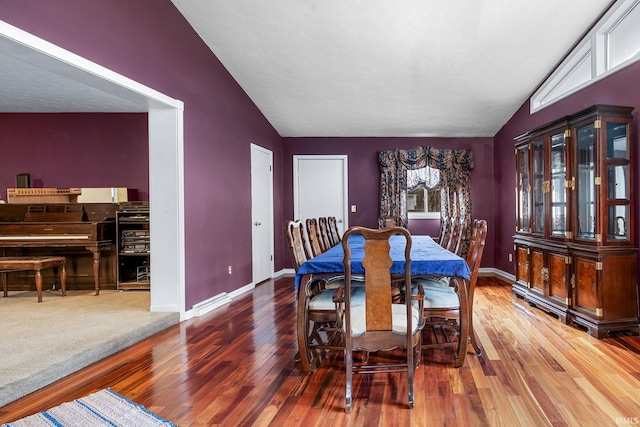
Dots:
(620, 88)
(150, 42)
(364, 177)
(76, 150)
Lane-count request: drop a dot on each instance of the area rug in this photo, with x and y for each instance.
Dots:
(103, 408)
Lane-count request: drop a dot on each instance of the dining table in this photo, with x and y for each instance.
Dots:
(427, 258)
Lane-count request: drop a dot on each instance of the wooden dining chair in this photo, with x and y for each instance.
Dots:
(316, 314)
(324, 232)
(445, 231)
(315, 241)
(455, 235)
(442, 304)
(378, 324)
(334, 234)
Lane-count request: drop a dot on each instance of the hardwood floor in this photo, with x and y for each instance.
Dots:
(235, 366)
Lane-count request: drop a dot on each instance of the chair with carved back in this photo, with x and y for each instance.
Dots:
(455, 235)
(442, 304)
(334, 234)
(315, 241)
(378, 324)
(324, 233)
(316, 313)
(446, 227)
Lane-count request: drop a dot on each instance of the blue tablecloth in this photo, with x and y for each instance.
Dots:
(427, 257)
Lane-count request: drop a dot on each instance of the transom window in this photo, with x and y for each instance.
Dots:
(423, 193)
(612, 44)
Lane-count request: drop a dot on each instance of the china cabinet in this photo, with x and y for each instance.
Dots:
(575, 255)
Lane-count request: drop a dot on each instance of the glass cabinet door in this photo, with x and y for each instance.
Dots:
(585, 182)
(618, 185)
(523, 189)
(558, 190)
(537, 170)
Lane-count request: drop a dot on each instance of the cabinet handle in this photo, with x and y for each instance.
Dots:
(545, 274)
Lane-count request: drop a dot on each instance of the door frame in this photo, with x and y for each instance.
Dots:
(166, 155)
(257, 148)
(345, 180)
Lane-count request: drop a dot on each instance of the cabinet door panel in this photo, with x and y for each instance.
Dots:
(586, 289)
(537, 265)
(558, 277)
(522, 267)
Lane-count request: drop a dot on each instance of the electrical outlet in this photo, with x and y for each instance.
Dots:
(510, 257)
(229, 270)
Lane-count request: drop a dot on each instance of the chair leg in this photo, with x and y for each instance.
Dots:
(410, 374)
(349, 377)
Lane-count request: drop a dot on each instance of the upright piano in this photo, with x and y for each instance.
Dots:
(59, 228)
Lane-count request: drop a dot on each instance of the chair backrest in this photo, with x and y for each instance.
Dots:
(297, 243)
(445, 231)
(377, 264)
(455, 235)
(324, 233)
(334, 234)
(476, 249)
(313, 233)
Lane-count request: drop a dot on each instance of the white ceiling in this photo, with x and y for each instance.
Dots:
(352, 68)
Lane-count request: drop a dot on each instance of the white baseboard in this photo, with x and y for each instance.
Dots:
(212, 303)
(497, 272)
(204, 307)
(282, 272)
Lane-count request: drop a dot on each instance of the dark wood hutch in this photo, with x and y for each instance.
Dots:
(575, 254)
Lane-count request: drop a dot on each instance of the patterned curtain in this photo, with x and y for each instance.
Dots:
(455, 183)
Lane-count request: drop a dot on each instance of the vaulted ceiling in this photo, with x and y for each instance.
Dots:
(357, 68)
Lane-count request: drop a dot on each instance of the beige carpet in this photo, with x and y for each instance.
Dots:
(41, 343)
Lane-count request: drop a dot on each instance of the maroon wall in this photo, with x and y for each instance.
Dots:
(76, 150)
(150, 42)
(620, 88)
(364, 177)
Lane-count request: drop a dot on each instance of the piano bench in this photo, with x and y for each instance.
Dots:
(33, 263)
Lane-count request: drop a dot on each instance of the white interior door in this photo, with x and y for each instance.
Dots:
(261, 213)
(320, 188)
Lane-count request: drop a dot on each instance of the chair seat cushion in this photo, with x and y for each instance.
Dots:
(398, 314)
(324, 300)
(440, 297)
(442, 282)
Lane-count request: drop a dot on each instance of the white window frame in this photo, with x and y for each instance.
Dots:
(595, 45)
(426, 214)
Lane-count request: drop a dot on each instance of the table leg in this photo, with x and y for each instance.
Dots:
(39, 284)
(63, 278)
(464, 321)
(96, 270)
(4, 283)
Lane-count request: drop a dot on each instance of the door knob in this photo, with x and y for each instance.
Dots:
(340, 221)
(257, 223)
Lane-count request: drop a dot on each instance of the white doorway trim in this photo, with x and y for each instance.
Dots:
(166, 159)
(258, 211)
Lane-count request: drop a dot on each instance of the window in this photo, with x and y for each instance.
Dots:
(613, 43)
(423, 194)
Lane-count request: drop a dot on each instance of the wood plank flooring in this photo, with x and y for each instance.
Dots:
(235, 367)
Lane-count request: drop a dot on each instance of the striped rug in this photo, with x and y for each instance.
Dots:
(103, 408)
